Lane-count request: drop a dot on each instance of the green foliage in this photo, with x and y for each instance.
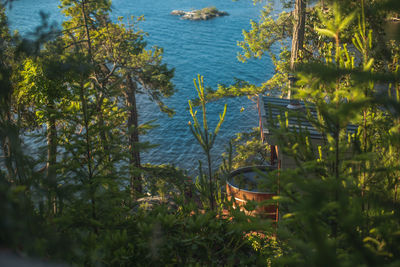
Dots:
(72, 204)
(264, 34)
(186, 237)
(270, 248)
(339, 207)
(202, 134)
(249, 150)
(210, 10)
(165, 180)
(205, 138)
(207, 11)
(339, 203)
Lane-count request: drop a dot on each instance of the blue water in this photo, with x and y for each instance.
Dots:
(191, 47)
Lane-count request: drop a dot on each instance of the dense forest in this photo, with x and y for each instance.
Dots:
(82, 196)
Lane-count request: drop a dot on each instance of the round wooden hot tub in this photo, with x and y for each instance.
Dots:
(242, 186)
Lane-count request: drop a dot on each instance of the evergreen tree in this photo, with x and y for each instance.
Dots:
(338, 205)
(119, 60)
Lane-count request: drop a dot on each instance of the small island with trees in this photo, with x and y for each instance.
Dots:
(200, 14)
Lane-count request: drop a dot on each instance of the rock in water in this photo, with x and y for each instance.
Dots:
(178, 12)
(201, 14)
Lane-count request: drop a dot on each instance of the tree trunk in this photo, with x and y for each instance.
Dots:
(133, 132)
(51, 162)
(100, 88)
(211, 184)
(89, 159)
(102, 129)
(12, 151)
(297, 37)
(8, 159)
(298, 31)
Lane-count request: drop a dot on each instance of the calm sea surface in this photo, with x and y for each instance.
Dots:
(191, 47)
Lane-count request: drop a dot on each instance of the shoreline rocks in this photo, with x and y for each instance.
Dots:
(201, 14)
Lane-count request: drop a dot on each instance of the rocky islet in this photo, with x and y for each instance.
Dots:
(201, 14)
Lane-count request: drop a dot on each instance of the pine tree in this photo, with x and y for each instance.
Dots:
(120, 60)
